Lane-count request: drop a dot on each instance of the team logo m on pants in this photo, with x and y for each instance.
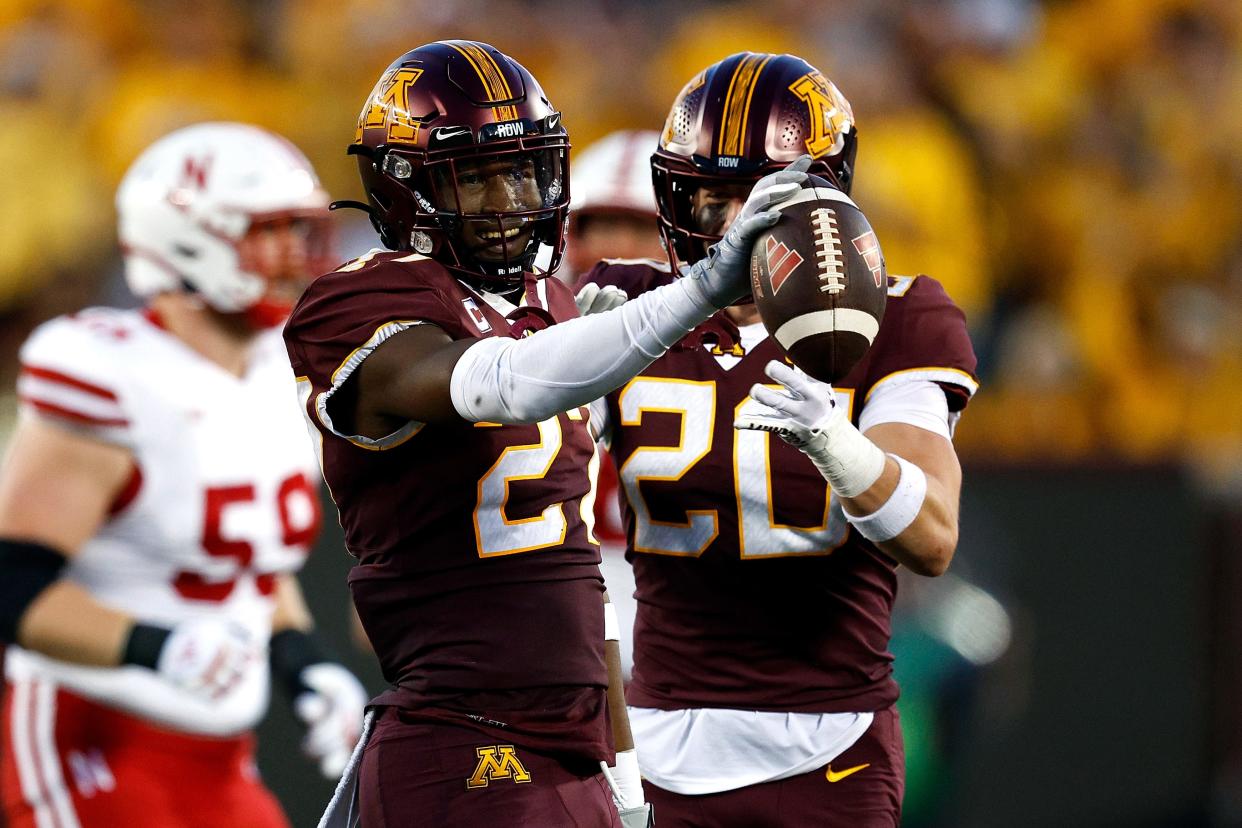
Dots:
(497, 762)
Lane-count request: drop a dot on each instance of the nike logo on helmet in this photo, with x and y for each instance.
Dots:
(443, 133)
(554, 120)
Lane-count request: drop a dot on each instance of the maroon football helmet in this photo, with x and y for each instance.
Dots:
(736, 121)
(464, 160)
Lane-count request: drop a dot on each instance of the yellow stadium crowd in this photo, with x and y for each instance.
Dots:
(1072, 171)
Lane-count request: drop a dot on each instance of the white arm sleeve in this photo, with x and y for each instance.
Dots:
(601, 427)
(918, 403)
(502, 380)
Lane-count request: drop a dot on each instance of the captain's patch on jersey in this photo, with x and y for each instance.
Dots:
(480, 320)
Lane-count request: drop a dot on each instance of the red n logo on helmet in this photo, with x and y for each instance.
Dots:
(194, 173)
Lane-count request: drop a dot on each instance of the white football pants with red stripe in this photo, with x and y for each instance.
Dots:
(69, 762)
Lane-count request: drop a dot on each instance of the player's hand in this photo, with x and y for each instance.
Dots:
(595, 299)
(641, 817)
(332, 708)
(208, 657)
(725, 273)
(798, 412)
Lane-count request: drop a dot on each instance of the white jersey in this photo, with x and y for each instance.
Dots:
(220, 501)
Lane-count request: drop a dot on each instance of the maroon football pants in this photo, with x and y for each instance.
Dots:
(446, 776)
(861, 788)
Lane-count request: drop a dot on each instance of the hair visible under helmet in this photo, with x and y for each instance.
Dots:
(187, 202)
(738, 120)
(437, 107)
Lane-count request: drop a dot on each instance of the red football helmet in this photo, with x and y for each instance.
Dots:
(464, 160)
(735, 122)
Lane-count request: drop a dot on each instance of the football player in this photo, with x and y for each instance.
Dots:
(762, 690)
(448, 382)
(612, 213)
(156, 500)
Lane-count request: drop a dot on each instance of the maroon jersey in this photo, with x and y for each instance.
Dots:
(478, 576)
(753, 591)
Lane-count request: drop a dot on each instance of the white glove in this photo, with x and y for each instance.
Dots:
(724, 274)
(798, 413)
(805, 414)
(641, 817)
(332, 710)
(595, 299)
(208, 657)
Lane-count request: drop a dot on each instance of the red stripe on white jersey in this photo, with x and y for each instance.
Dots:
(33, 731)
(64, 379)
(73, 416)
(129, 493)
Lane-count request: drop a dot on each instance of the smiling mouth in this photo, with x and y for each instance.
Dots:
(493, 237)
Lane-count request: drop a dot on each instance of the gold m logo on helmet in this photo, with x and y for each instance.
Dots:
(389, 105)
(497, 762)
(831, 115)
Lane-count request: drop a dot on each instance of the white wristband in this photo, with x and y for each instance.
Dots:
(612, 627)
(901, 508)
(849, 461)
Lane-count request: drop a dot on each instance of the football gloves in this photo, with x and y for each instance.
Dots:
(332, 708)
(798, 413)
(724, 274)
(805, 414)
(208, 657)
(595, 299)
(641, 817)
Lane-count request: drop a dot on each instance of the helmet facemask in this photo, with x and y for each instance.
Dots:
(487, 212)
(692, 213)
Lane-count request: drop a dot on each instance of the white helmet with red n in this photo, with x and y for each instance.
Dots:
(613, 175)
(187, 203)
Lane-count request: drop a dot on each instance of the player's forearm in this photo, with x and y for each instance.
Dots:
(927, 543)
(575, 362)
(622, 738)
(66, 623)
(290, 611)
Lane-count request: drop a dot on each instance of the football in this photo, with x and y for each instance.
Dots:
(819, 281)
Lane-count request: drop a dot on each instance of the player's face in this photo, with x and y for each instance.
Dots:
(613, 236)
(717, 205)
(279, 250)
(499, 185)
(284, 251)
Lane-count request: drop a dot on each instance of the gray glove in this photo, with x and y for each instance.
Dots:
(641, 817)
(594, 299)
(724, 274)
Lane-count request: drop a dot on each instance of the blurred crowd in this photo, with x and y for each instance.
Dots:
(1071, 170)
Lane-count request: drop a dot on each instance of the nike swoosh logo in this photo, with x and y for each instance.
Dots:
(839, 775)
(553, 120)
(450, 132)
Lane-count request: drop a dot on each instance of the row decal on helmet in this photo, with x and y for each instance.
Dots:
(737, 104)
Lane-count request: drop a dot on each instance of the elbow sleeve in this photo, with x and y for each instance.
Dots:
(27, 569)
(570, 364)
